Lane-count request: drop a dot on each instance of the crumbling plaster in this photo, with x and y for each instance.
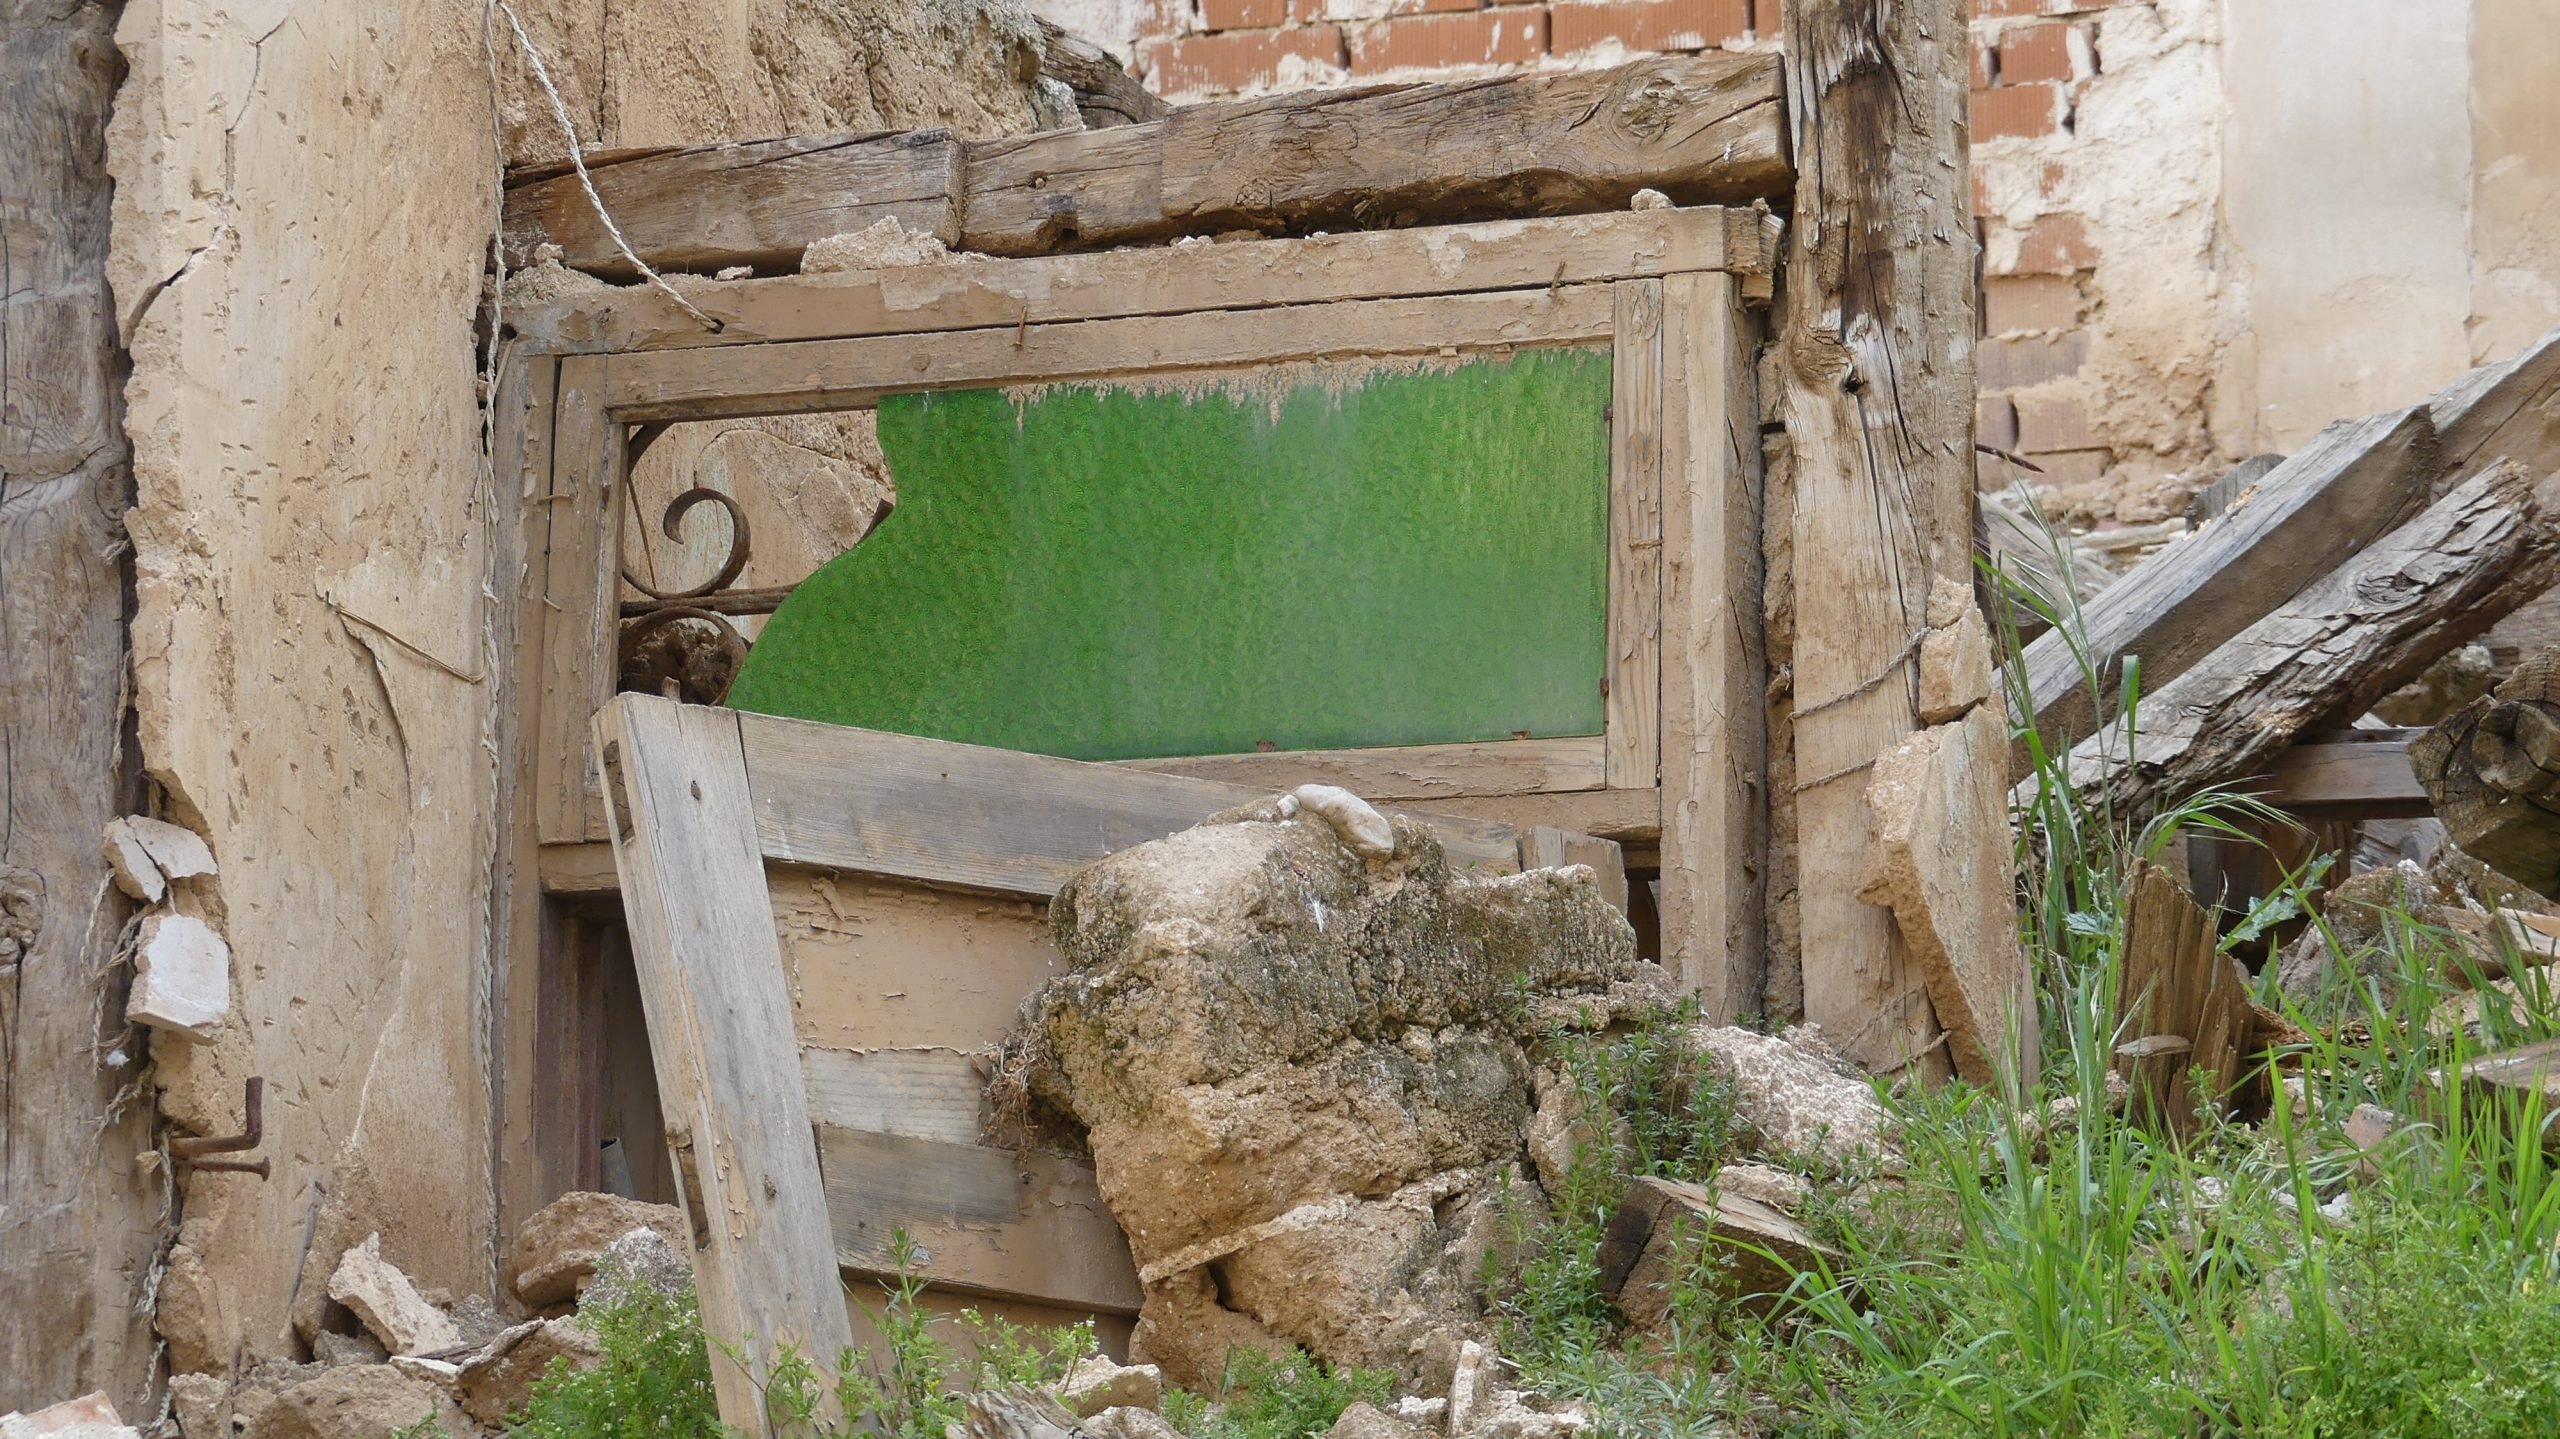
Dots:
(304, 196)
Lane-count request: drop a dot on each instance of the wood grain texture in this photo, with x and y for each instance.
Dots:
(1408, 772)
(935, 1094)
(2324, 657)
(2174, 983)
(986, 819)
(2502, 411)
(1714, 777)
(1629, 816)
(579, 621)
(722, 1040)
(1698, 128)
(754, 202)
(2354, 482)
(976, 294)
(80, 1222)
(1106, 93)
(2362, 778)
(1635, 539)
(2491, 770)
(1876, 365)
(1017, 1223)
(845, 374)
(878, 964)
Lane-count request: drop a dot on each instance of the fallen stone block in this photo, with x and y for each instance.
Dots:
(497, 1382)
(201, 1404)
(91, 1416)
(1363, 1420)
(1096, 1384)
(1797, 1097)
(388, 1304)
(1129, 1424)
(130, 864)
(358, 1401)
(1664, 1227)
(181, 976)
(555, 1253)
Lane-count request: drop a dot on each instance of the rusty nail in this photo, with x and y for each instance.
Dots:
(251, 1103)
(233, 1166)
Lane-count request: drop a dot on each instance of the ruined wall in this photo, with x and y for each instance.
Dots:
(304, 198)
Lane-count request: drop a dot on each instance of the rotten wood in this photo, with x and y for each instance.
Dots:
(1106, 93)
(1875, 366)
(2492, 771)
(2327, 655)
(2186, 1000)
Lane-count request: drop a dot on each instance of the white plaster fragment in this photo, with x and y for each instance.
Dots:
(182, 975)
(389, 1304)
(1649, 200)
(131, 864)
(180, 852)
(1355, 821)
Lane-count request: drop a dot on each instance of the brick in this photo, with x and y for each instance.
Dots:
(2050, 424)
(1378, 9)
(1236, 59)
(2056, 245)
(1438, 42)
(1995, 422)
(2018, 112)
(1650, 24)
(2029, 304)
(2029, 53)
(1243, 14)
(2024, 363)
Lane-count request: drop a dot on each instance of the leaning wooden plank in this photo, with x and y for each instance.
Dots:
(841, 374)
(2333, 650)
(757, 202)
(1875, 361)
(2186, 999)
(991, 1221)
(987, 819)
(2355, 481)
(2492, 771)
(1422, 771)
(1698, 128)
(2506, 411)
(969, 293)
(1634, 678)
(720, 1034)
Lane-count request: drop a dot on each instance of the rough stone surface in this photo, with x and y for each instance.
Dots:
(357, 1401)
(497, 1381)
(883, 245)
(91, 1416)
(1764, 1184)
(181, 976)
(201, 1404)
(176, 851)
(390, 1306)
(555, 1253)
(332, 1348)
(1364, 1420)
(194, 1315)
(1096, 1384)
(131, 865)
(641, 1259)
(1298, 1065)
(1796, 1095)
(1130, 1424)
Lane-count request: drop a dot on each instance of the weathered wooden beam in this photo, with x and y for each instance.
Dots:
(1875, 364)
(1701, 129)
(2360, 774)
(2185, 1000)
(2492, 770)
(2329, 653)
(1106, 93)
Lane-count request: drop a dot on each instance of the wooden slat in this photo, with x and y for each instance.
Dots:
(1634, 699)
(582, 867)
(1698, 128)
(1714, 796)
(2502, 411)
(578, 617)
(840, 374)
(879, 964)
(935, 1094)
(721, 1037)
(1424, 771)
(2361, 777)
(755, 202)
(1629, 816)
(975, 293)
(991, 1221)
(985, 819)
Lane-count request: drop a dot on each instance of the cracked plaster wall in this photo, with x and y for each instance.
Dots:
(304, 194)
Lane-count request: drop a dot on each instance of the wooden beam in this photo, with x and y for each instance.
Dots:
(1634, 678)
(579, 621)
(1876, 361)
(1632, 817)
(970, 293)
(1106, 93)
(754, 202)
(1408, 772)
(721, 1037)
(2503, 411)
(2360, 774)
(2492, 770)
(1714, 765)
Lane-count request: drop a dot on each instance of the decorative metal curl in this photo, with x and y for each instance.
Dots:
(671, 525)
(694, 680)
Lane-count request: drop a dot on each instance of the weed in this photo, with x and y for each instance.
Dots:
(1265, 1397)
(651, 1381)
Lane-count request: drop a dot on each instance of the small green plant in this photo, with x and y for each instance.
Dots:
(652, 1378)
(1284, 1397)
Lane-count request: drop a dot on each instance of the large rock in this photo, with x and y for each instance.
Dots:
(1798, 1097)
(1296, 1051)
(555, 1252)
(389, 1304)
(357, 1401)
(495, 1383)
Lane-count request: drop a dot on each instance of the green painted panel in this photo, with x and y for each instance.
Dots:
(1362, 557)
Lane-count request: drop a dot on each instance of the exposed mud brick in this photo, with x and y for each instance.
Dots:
(2030, 53)
(1234, 60)
(2055, 245)
(2019, 112)
(2029, 304)
(2071, 470)
(2051, 423)
(1650, 24)
(2025, 362)
(1243, 14)
(1435, 42)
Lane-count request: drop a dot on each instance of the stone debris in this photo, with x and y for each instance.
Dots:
(181, 976)
(640, 1259)
(1096, 1383)
(1765, 1184)
(201, 1405)
(1367, 1421)
(885, 244)
(91, 1416)
(1797, 1096)
(356, 1401)
(555, 1253)
(1663, 1225)
(496, 1381)
(131, 865)
(1129, 1424)
(332, 1348)
(388, 1304)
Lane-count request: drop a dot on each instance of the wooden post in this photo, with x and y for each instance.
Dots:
(79, 1220)
(1875, 364)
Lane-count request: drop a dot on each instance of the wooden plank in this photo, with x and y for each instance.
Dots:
(720, 1033)
(986, 819)
(1876, 365)
(975, 293)
(1106, 93)
(1635, 539)
(2355, 481)
(1653, 1242)
(2491, 771)
(1698, 128)
(846, 374)
(1714, 776)
(935, 1094)
(1544, 846)
(1629, 816)
(577, 613)
(754, 202)
(879, 964)
(2327, 655)
(581, 868)
(1020, 1224)
(2366, 778)
(2175, 983)
(1423, 771)
(2503, 411)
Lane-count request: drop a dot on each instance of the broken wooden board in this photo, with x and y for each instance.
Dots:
(2328, 654)
(1106, 93)
(1943, 862)
(2492, 771)
(2185, 1000)
(1664, 1226)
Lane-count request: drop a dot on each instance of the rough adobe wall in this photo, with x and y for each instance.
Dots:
(304, 198)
